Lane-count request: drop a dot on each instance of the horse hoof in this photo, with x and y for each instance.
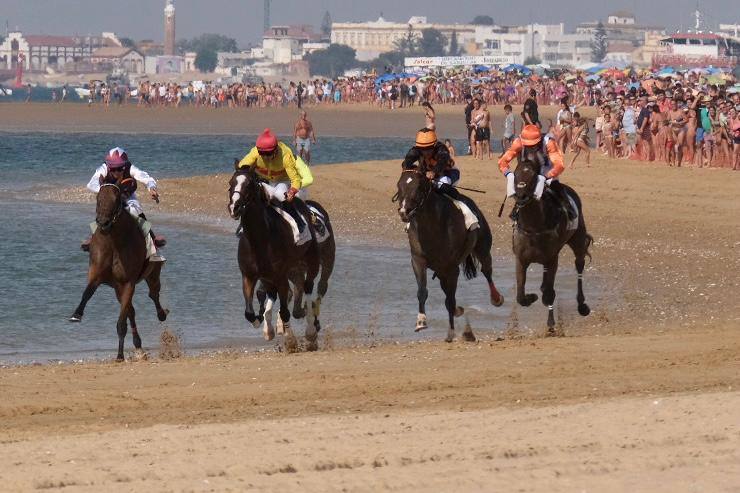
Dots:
(459, 311)
(497, 302)
(421, 326)
(449, 338)
(120, 359)
(75, 318)
(162, 316)
(312, 346)
(269, 335)
(468, 337)
(527, 300)
(583, 310)
(291, 344)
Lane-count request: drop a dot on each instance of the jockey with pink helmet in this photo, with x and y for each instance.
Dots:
(117, 169)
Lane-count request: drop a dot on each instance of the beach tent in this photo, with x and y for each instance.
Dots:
(481, 68)
(515, 66)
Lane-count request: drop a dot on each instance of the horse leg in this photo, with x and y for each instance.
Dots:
(298, 277)
(261, 299)
(312, 271)
(486, 267)
(92, 285)
(248, 285)
(289, 340)
(448, 282)
(579, 243)
(155, 285)
(548, 292)
(328, 252)
(134, 330)
(419, 265)
(267, 329)
(521, 280)
(126, 294)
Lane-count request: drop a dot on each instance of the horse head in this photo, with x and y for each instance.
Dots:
(525, 181)
(413, 190)
(109, 206)
(243, 190)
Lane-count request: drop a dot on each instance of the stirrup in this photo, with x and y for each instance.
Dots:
(159, 241)
(85, 245)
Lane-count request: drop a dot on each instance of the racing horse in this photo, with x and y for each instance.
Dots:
(118, 258)
(440, 241)
(267, 253)
(540, 231)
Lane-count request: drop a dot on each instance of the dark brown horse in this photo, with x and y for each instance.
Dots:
(440, 242)
(540, 232)
(268, 254)
(118, 258)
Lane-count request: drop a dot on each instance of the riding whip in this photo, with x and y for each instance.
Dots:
(462, 188)
(501, 210)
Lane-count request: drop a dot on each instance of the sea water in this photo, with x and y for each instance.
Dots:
(372, 292)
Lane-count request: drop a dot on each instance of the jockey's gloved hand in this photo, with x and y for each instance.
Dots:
(290, 194)
(548, 182)
(539, 189)
(155, 194)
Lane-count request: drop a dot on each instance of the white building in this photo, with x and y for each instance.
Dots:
(55, 52)
(622, 26)
(112, 57)
(284, 44)
(370, 39)
(731, 30)
(548, 42)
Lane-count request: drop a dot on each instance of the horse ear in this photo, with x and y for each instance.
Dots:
(236, 164)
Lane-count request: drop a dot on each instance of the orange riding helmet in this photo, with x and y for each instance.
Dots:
(426, 138)
(531, 135)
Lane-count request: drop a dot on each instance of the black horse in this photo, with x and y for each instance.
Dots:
(268, 254)
(540, 232)
(440, 241)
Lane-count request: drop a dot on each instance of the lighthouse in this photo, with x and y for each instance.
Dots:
(169, 28)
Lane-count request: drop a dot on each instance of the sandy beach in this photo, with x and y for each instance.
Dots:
(642, 395)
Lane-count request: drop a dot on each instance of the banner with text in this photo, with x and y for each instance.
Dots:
(456, 61)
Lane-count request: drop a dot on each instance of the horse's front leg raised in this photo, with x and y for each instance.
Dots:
(92, 285)
(548, 292)
(521, 281)
(126, 294)
(419, 265)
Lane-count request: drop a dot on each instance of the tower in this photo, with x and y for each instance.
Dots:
(267, 15)
(169, 28)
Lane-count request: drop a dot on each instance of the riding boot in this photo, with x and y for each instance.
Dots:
(291, 209)
(450, 191)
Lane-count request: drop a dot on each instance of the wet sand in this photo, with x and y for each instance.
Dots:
(641, 395)
(339, 121)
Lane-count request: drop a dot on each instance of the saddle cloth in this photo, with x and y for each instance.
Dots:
(320, 218)
(471, 220)
(302, 238)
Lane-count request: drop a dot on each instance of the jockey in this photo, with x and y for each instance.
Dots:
(434, 160)
(276, 164)
(118, 169)
(530, 145)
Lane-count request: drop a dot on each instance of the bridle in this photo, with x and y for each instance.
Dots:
(244, 199)
(118, 210)
(424, 197)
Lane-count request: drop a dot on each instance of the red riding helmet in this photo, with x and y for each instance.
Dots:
(116, 158)
(267, 142)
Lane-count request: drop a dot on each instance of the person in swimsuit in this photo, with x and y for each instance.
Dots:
(304, 136)
(580, 139)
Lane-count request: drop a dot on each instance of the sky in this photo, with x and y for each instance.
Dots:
(243, 19)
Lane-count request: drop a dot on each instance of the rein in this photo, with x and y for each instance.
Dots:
(412, 212)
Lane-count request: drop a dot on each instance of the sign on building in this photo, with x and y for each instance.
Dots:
(456, 61)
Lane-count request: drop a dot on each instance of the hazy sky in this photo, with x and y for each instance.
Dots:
(242, 19)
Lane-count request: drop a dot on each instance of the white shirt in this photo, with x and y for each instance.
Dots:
(137, 174)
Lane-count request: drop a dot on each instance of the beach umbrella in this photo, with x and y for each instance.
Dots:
(481, 68)
(734, 89)
(592, 78)
(595, 69)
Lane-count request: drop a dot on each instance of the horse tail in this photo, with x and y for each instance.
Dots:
(470, 267)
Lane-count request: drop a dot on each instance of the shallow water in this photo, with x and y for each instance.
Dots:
(372, 293)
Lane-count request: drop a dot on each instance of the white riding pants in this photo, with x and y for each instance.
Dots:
(277, 189)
